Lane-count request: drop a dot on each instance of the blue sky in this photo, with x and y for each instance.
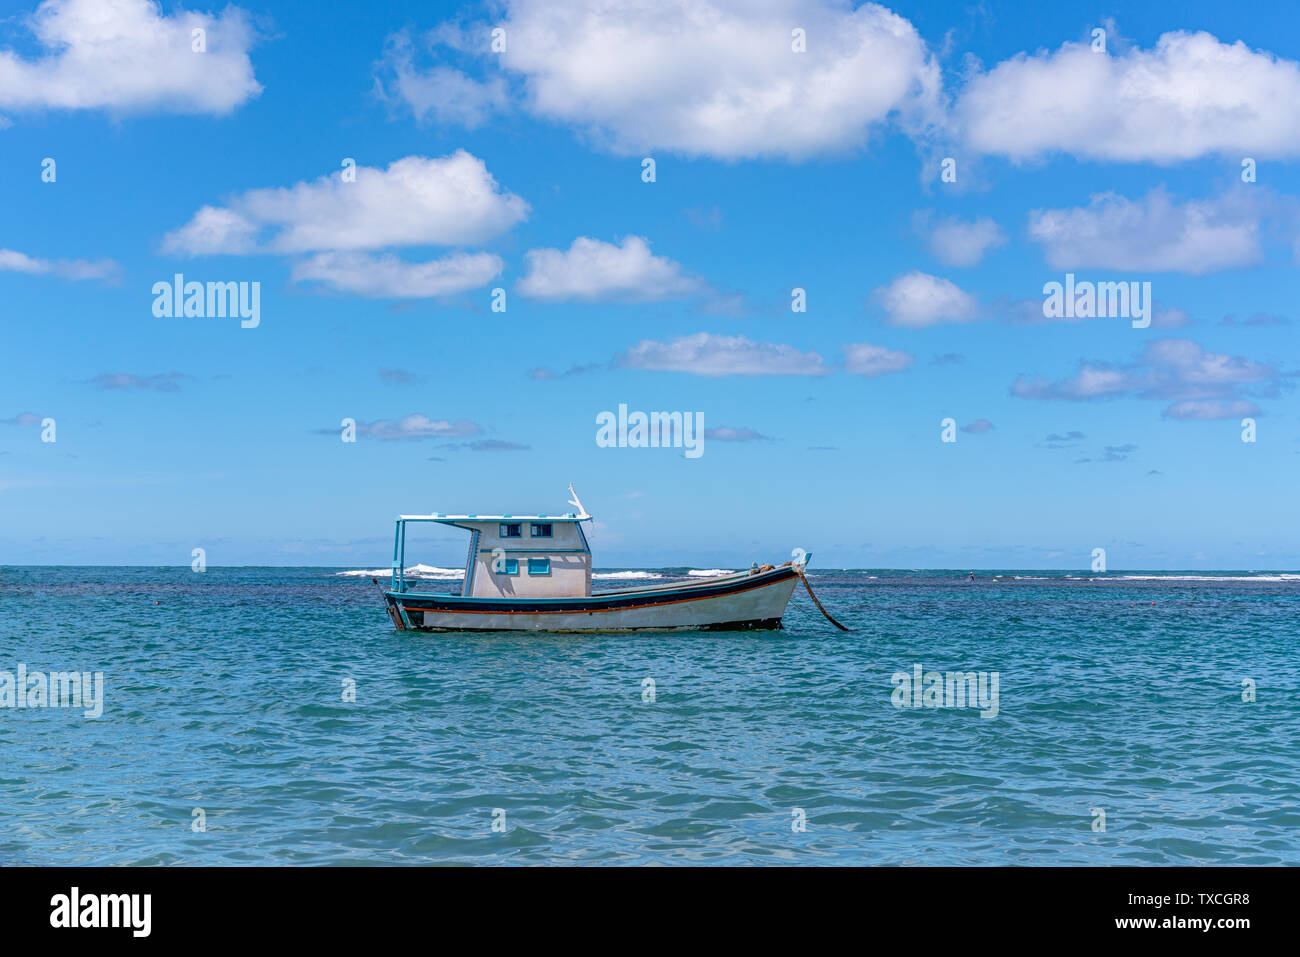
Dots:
(775, 170)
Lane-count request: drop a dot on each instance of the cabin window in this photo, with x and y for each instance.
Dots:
(509, 566)
(539, 566)
(542, 530)
(512, 529)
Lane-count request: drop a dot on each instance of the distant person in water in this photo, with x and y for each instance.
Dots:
(972, 576)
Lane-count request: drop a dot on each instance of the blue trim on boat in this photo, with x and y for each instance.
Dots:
(545, 551)
(467, 584)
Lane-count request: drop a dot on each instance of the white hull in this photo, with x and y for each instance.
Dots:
(744, 606)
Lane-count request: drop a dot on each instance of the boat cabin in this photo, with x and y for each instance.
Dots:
(514, 556)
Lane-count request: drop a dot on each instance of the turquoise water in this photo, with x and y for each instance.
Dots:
(224, 691)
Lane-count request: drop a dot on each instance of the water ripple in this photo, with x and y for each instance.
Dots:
(225, 695)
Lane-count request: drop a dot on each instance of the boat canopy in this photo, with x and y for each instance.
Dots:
(453, 519)
(514, 556)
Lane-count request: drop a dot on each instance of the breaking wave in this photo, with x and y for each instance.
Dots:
(414, 571)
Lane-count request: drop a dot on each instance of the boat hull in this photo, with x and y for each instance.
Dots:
(736, 602)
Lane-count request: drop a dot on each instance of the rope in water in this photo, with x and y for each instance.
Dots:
(799, 572)
(388, 606)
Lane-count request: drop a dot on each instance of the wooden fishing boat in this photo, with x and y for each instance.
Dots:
(533, 573)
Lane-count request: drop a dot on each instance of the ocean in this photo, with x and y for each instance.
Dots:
(273, 716)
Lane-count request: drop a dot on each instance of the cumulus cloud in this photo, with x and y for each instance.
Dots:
(727, 433)
(958, 242)
(417, 201)
(1256, 320)
(388, 277)
(714, 355)
(1155, 233)
(126, 55)
(22, 418)
(441, 94)
(1090, 382)
(449, 201)
(1166, 369)
(414, 426)
(488, 445)
(864, 359)
(1182, 366)
(544, 374)
(918, 299)
(1209, 409)
(158, 382)
(594, 271)
(74, 269)
(1118, 453)
(1191, 95)
(712, 78)
(1170, 318)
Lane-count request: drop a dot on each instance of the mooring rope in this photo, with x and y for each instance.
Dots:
(798, 571)
(388, 606)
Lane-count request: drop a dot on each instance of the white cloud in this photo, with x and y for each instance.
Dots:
(1154, 233)
(126, 55)
(388, 277)
(29, 418)
(1210, 410)
(75, 269)
(159, 382)
(1182, 366)
(714, 355)
(956, 242)
(442, 94)
(413, 426)
(594, 271)
(1091, 382)
(1189, 96)
(416, 201)
(1180, 370)
(449, 201)
(1170, 319)
(864, 359)
(212, 231)
(712, 78)
(488, 445)
(917, 299)
(728, 433)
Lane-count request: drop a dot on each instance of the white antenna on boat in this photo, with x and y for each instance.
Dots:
(575, 501)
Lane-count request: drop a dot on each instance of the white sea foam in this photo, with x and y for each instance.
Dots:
(414, 571)
(708, 572)
(1212, 578)
(1280, 577)
(626, 575)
